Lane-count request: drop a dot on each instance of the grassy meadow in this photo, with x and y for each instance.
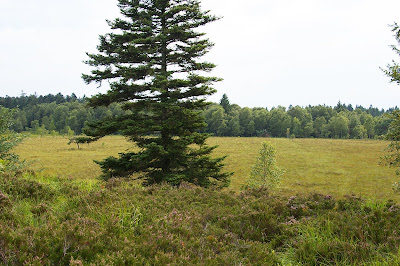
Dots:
(328, 166)
(60, 214)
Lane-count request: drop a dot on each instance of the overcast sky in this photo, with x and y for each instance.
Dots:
(269, 52)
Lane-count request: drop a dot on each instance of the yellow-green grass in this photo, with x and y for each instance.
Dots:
(53, 156)
(336, 167)
(328, 166)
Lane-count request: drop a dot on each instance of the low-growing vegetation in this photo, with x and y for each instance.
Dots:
(56, 218)
(60, 221)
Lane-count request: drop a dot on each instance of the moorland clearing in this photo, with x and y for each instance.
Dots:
(328, 166)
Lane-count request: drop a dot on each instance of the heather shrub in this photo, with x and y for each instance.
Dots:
(121, 223)
(20, 188)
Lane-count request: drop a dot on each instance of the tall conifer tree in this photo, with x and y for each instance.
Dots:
(152, 63)
(225, 103)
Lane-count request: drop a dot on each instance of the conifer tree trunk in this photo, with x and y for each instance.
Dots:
(164, 133)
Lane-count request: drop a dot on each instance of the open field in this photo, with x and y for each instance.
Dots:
(327, 166)
(61, 215)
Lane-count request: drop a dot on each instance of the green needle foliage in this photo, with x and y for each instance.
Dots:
(265, 173)
(393, 157)
(151, 61)
(393, 71)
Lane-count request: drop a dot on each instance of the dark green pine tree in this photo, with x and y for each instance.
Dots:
(152, 62)
(225, 103)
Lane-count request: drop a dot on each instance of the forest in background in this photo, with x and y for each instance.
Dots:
(59, 114)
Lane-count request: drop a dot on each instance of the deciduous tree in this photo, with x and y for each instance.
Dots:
(265, 172)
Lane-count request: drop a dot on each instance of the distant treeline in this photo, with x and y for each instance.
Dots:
(59, 114)
(54, 114)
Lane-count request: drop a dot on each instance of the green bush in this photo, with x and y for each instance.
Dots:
(8, 140)
(265, 172)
